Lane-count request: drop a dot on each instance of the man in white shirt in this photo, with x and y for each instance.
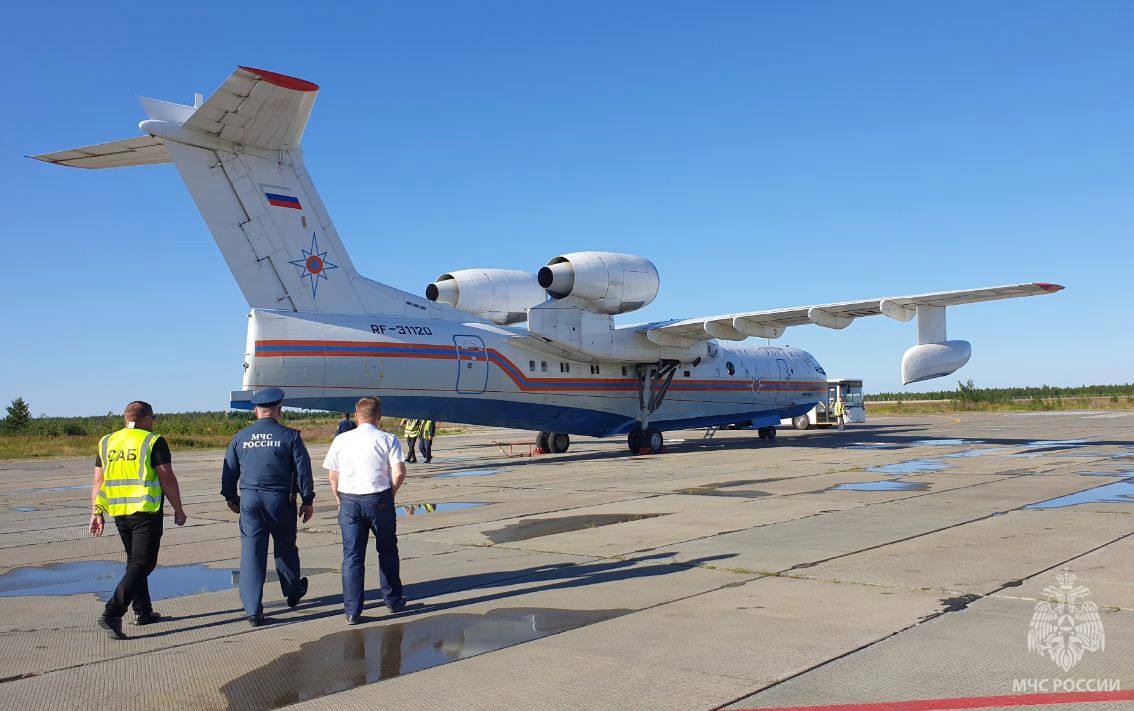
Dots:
(366, 468)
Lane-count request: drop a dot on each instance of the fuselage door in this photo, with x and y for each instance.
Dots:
(472, 364)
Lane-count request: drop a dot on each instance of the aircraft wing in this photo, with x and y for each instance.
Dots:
(771, 323)
(255, 107)
(143, 150)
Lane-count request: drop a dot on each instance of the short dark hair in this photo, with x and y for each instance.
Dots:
(369, 406)
(137, 410)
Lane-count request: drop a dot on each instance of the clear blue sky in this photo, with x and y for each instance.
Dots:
(762, 154)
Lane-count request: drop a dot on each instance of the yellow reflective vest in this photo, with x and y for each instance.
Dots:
(413, 427)
(840, 409)
(129, 483)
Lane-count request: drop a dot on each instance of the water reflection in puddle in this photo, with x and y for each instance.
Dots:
(56, 488)
(882, 486)
(468, 472)
(418, 509)
(873, 445)
(536, 527)
(100, 577)
(25, 509)
(948, 442)
(1116, 474)
(975, 452)
(371, 653)
(1120, 492)
(913, 466)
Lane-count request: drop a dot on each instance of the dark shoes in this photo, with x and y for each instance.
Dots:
(354, 620)
(147, 618)
(255, 620)
(397, 606)
(113, 627)
(428, 460)
(412, 460)
(294, 598)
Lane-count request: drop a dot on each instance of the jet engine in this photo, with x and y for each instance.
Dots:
(604, 282)
(502, 296)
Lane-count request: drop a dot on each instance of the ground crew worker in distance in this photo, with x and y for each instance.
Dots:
(412, 429)
(428, 429)
(841, 413)
(133, 474)
(366, 469)
(271, 464)
(345, 425)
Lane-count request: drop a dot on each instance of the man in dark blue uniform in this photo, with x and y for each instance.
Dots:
(345, 425)
(271, 464)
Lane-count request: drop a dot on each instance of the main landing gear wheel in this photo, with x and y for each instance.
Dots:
(801, 423)
(558, 442)
(634, 440)
(653, 439)
(541, 441)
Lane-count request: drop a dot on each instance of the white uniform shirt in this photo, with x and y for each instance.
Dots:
(364, 459)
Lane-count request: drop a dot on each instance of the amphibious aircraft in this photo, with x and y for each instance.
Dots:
(328, 335)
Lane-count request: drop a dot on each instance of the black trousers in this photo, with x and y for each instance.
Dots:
(141, 537)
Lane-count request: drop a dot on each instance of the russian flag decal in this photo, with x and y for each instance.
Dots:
(280, 200)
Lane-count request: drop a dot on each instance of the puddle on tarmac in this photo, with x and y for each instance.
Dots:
(726, 488)
(948, 442)
(459, 458)
(882, 486)
(913, 466)
(536, 527)
(100, 577)
(418, 509)
(974, 452)
(371, 653)
(468, 472)
(1117, 474)
(873, 445)
(1120, 492)
(1054, 442)
(56, 488)
(25, 509)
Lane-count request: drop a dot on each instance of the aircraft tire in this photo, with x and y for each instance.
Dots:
(558, 442)
(772, 434)
(634, 440)
(541, 441)
(653, 439)
(762, 432)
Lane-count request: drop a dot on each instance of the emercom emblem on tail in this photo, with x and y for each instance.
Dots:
(238, 152)
(313, 266)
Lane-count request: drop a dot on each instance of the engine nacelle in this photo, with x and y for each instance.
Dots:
(502, 296)
(605, 282)
(933, 360)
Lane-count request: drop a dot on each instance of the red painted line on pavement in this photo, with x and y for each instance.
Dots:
(969, 702)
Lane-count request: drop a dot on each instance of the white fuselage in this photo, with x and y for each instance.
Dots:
(471, 371)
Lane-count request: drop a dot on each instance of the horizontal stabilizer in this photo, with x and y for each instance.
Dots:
(144, 150)
(257, 108)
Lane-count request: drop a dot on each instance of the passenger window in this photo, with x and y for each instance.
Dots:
(624, 370)
(566, 367)
(687, 373)
(531, 365)
(543, 365)
(730, 368)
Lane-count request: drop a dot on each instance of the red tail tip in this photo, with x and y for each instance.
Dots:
(1048, 287)
(282, 80)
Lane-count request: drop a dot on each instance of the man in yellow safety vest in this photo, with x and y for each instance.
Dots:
(133, 474)
(412, 430)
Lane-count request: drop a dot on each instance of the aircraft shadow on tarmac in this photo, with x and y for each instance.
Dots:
(861, 436)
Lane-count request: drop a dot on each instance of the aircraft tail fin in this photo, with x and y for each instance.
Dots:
(238, 153)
